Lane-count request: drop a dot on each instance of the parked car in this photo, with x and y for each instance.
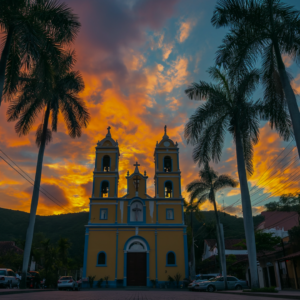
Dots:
(192, 285)
(8, 278)
(207, 276)
(35, 279)
(217, 283)
(67, 283)
(29, 280)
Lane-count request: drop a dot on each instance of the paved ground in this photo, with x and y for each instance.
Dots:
(129, 295)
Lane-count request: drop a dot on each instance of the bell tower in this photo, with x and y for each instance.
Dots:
(167, 172)
(106, 172)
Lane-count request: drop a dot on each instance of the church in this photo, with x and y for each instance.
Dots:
(134, 238)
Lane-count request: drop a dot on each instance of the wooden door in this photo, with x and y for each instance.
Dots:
(136, 269)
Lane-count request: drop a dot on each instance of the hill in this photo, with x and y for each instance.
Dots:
(14, 225)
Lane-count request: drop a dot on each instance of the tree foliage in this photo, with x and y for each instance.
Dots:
(287, 202)
(256, 29)
(29, 27)
(264, 241)
(229, 106)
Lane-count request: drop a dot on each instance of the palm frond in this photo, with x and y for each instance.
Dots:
(40, 137)
(63, 24)
(274, 107)
(224, 181)
(211, 136)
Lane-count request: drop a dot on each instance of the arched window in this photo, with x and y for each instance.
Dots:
(104, 189)
(168, 189)
(101, 259)
(171, 258)
(106, 163)
(167, 164)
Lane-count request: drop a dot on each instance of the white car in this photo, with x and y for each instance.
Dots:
(67, 283)
(8, 278)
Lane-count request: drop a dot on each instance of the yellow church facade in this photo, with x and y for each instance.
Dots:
(136, 238)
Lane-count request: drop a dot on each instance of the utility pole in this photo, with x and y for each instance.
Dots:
(224, 270)
(192, 267)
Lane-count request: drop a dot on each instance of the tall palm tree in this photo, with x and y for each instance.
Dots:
(204, 189)
(229, 108)
(48, 89)
(29, 25)
(266, 29)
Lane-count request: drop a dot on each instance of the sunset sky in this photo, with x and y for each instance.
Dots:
(137, 57)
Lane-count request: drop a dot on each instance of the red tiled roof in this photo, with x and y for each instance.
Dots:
(8, 246)
(290, 256)
(211, 243)
(285, 220)
(229, 244)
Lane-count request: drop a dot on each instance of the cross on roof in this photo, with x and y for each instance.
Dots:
(165, 129)
(108, 131)
(136, 164)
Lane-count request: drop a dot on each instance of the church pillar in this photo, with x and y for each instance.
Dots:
(155, 254)
(116, 269)
(86, 243)
(185, 245)
(125, 269)
(116, 186)
(116, 220)
(148, 270)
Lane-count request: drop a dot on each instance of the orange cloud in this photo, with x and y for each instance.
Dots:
(185, 29)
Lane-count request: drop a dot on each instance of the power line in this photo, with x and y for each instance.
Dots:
(54, 201)
(294, 176)
(41, 188)
(262, 176)
(289, 164)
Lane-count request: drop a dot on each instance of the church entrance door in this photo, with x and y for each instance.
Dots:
(136, 269)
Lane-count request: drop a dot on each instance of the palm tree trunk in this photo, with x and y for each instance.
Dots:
(220, 241)
(35, 199)
(247, 210)
(286, 85)
(193, 271)
(3, 60)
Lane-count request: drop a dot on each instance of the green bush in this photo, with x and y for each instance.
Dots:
(177, 278)
(263, 290)
(91, 281)
(99, 282)
(106, 280)
(153, 281)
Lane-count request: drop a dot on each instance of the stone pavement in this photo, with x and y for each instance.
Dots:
(129, 295)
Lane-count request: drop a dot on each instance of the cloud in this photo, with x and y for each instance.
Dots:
(287, 60)
(185, 29)
(167, 50)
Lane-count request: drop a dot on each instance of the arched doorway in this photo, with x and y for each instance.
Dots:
(136, 262)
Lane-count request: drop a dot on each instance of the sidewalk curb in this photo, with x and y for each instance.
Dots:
(270, 295)
(25, 292)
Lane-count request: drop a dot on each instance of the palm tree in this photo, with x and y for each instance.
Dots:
(193, 210)
(30, 25)
(50, 89)
(63, 248)
(229, 108)
(265, 29)
(204, 189)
